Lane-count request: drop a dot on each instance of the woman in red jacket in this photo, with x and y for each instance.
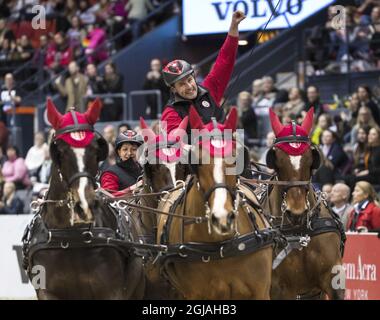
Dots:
(121, 178)
(366, 214)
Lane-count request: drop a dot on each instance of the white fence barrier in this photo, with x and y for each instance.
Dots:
(14, 283)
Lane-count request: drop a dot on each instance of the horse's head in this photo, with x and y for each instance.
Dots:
(214, 154)
(294, 158)
(76, 151)
(163, 155)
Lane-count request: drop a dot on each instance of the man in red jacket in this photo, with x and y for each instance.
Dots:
(205, 97)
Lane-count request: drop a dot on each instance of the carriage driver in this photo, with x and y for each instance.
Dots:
(122, 177)
(205, 97)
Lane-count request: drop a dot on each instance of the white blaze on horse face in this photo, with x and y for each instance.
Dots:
(172, 169)
(79, 153)
(296, 162)
(220, 198)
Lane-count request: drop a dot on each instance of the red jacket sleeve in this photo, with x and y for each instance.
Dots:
(172, 118)
(217, 80)
(109, 182)
(375, 218)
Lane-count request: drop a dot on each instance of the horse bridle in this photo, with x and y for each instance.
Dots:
(73, 128)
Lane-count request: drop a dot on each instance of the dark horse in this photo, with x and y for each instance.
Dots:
(69, 236)
(311, 265)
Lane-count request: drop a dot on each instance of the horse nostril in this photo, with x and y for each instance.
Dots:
(230, 217)
(214, 220)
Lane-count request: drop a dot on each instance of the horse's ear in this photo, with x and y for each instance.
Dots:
(148, 172)
(93, 112)
(307, 123)
(181, 130)
(54, 116)
(231, 120)
(277, 126)
(103, 148)
(146, 131)
(195, 120)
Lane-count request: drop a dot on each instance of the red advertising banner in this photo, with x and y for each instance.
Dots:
(361, 262)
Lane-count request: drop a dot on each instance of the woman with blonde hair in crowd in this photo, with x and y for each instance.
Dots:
(364, 118)
(366, 213)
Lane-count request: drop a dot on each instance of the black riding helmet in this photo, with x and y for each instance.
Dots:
(176, 70)
(129, 136)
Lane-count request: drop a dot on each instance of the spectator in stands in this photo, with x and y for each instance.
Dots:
(332, 150)
(360, 150)
(24, 49)
(15, 170)
(324, 122)
(41, 176)
(137, 11)
(364, 119)
(85, 12)
(247, 117)
(155, 81)
(327, 188)
(119, 178)
(10, 203)
(123, 127)
(71, 9)
(94, 80)
(269, 93)
(96, 50)
(365, 97)
(36, 154)
(313, 99)
(109, 134)
(371, 172)
(366, 213)
(10, 97)
(7, 52)
(74, 88)
(59, 54)
(41, 51)
(365, 9)
(317, 48)
(349, 116)
(76, 35)
(375, 39)
(294, 106)
(5, 33)
(113, 82)
(340, 196)
(257, 91)
(335, 159)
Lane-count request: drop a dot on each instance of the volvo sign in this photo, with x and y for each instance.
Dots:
(214, 16)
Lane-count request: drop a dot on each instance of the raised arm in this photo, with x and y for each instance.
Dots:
(218, 78)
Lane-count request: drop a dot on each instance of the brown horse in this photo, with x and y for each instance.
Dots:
(162, 171)
(218, 246)
(69, 235)
(304, 270)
